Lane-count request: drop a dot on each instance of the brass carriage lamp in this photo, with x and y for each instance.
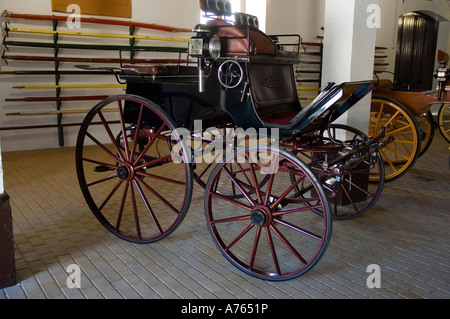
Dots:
(442, 74)
(202, 48)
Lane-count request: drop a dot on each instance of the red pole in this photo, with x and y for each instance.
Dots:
(151, 26)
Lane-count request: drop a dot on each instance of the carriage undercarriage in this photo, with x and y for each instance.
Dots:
(271, 187)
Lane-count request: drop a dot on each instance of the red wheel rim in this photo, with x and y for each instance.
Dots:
(269, 232)
(128, 178)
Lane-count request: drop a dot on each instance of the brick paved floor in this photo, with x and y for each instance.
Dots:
(406, 234)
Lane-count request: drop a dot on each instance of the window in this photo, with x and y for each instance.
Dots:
(257, 8)
(253, 7)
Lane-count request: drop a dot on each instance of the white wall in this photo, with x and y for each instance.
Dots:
(177, 13)
(305, 17)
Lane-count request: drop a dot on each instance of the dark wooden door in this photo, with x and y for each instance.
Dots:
(416, 52)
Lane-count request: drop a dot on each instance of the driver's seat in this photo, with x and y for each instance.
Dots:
(270, 71)
(235, 36)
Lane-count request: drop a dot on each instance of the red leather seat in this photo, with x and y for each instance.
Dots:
(235, 36)
(235, 42)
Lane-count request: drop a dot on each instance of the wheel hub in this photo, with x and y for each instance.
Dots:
(125, 172)
(260, 217)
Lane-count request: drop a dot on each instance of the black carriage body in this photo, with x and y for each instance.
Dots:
(180, 98)
(265, 90)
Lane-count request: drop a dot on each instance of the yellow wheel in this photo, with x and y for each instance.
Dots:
(427, 127)
(444, 121)
(400, 155)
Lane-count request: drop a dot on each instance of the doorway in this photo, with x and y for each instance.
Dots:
(416, 52)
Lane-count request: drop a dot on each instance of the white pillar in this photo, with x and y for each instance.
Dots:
(349, 50)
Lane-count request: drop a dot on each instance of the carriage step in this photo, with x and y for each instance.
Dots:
(102, 169)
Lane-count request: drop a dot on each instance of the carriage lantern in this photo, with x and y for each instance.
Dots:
(441, 75)
(202, 48)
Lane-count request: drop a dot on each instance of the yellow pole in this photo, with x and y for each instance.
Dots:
(81, 34)
(92, 86)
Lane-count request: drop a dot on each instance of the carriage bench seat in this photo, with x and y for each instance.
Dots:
(158, 70)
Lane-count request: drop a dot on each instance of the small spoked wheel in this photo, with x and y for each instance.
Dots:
(268, 232)
(127, 172)
(355, 189)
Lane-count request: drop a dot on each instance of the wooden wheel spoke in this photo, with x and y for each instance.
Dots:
(152, 141)
(298, 229)
(239, 237)
(107, 151)
(160, 178)
(157, 195)
(231, 200)
(273, 251)
(239, 186)
(149, 208)
(392, 118)
(354, 185)
(124, 131)
(153, 162)
(397, 153)
(102, 180)
(269, 189)
(135, 211)
(400, 130)
(230, 219)
(121, 208)
(288, 244)
(110, 195)
(386, 159)
(404, 142)
(136, 134)
(283, 196)
(255, 248)
(349, 197)
(297, 210)
(111, 136)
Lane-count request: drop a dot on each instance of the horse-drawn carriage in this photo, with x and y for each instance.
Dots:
(407, 116)
(275, 174)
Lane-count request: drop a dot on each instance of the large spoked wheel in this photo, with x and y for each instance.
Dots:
(350, 192)
(131, 182)
(269, 232)
(399, 156)
(444, 121)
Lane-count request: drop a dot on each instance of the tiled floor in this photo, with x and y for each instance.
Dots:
(406, 234)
